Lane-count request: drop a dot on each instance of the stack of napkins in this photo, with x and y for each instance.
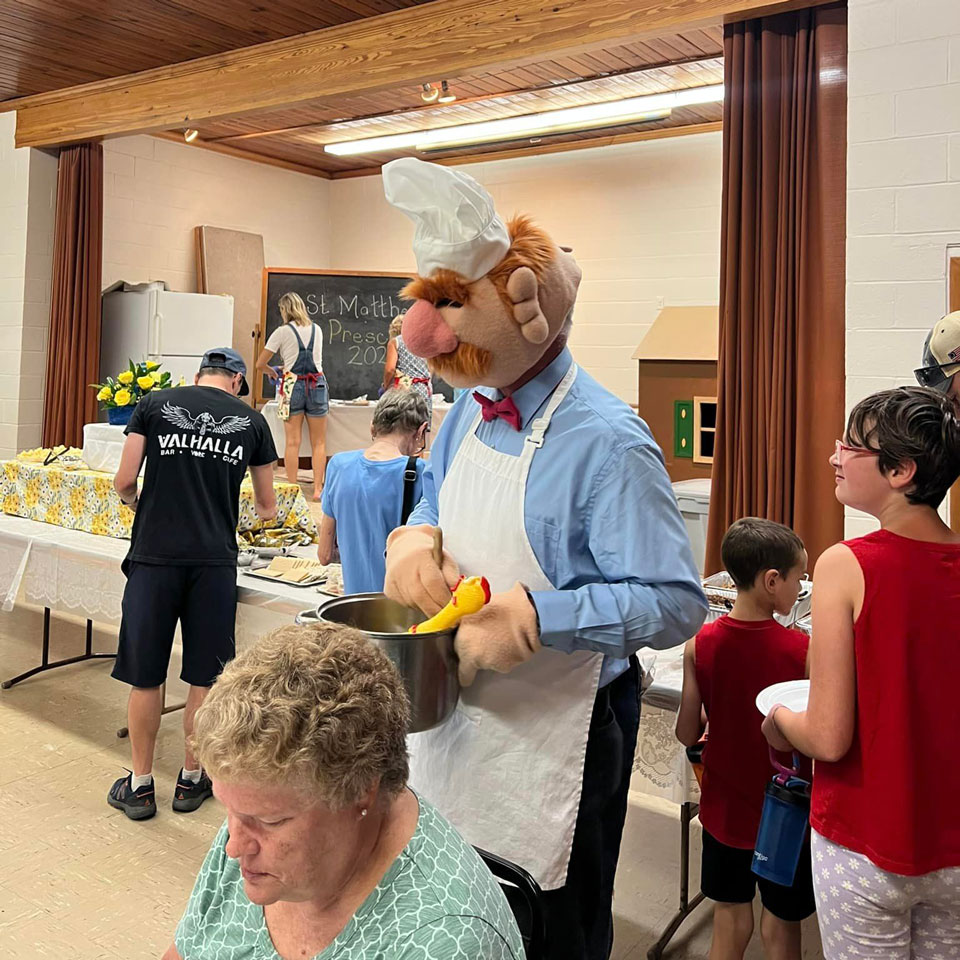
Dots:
(295, 570)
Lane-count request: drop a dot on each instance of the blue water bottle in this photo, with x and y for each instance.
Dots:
(783, 825)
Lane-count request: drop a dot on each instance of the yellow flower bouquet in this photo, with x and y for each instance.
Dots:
(120, 394)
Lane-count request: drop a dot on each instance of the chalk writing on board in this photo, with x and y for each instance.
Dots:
(353, 313)
(377, 307)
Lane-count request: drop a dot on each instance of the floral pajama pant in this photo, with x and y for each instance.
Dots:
(866, 913)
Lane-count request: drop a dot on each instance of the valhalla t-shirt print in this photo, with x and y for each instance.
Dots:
(200, 441)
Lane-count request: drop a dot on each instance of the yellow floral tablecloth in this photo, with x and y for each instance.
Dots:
(85, 500)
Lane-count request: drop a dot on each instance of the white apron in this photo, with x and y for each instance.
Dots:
(507, 768)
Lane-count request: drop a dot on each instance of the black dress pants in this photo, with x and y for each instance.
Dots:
(579, 914)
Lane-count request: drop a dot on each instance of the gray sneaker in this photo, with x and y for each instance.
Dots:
(140, 804)
(189, 795)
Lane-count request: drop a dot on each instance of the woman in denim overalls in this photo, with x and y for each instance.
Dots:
(309, 396)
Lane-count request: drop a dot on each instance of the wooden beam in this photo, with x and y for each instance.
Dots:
(551, 86)
(534, 151)
(446, 38)
(229, 151)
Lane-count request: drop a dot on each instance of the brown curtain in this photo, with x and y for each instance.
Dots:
(781, 371)
(73, 353)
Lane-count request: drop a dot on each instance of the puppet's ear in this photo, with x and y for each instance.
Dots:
(522, 290)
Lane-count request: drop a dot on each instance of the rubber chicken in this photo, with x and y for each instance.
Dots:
(470, 595)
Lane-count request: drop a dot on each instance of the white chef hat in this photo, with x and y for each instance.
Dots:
(457, 227)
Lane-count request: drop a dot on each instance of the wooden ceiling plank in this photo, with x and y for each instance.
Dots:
(596, 63)
(445, 37)
(553, 72)
(706, 42)
(684, 47)
(664, 49)
(80, 35)
(284, 19)
(529, 76)
(183, 31)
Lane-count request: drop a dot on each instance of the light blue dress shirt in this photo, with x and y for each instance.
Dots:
(600, 515)
(365, 497)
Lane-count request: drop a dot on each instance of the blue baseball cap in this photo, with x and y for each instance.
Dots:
(226, 358)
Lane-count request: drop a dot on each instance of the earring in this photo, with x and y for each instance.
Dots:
(363, 813)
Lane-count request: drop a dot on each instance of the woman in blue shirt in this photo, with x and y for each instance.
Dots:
(363, 494)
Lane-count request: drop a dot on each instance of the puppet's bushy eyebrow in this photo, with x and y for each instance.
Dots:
(442, 285)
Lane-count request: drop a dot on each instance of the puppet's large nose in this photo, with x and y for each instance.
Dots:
(425, 331)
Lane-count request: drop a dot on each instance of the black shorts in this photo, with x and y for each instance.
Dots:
(726, 876)
(203, 599)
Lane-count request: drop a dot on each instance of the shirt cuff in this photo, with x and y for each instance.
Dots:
(556, 610)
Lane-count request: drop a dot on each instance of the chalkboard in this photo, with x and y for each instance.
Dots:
(354, 311)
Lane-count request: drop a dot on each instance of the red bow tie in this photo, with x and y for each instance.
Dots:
(505, 409)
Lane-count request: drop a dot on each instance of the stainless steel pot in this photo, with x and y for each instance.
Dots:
(426, 661)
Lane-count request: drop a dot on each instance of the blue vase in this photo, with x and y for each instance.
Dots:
(119, 416)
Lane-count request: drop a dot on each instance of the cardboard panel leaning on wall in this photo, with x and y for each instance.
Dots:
(231, 262)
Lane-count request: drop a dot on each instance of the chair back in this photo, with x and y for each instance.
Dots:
(525, 897)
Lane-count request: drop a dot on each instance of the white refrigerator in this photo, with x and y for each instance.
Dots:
(146, 322)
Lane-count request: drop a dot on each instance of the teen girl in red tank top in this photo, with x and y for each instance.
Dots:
(884, 709)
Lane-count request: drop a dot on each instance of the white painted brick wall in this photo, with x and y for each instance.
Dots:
(28, 181)
(903, 201)
(41, 221)
(156, 192)
(643, 219)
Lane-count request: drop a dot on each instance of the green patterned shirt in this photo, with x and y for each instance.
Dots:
(437, 901)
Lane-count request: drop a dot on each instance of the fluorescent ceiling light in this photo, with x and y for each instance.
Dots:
(552, 130)
(592, 115)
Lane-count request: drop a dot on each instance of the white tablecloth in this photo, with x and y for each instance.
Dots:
(79, 573)
(660, 766)
(348, 426)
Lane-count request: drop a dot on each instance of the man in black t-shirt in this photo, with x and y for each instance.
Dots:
(182, 565)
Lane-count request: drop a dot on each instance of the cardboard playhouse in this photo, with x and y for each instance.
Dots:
(677, 387)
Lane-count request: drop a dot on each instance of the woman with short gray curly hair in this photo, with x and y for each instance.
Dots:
(325, 851)
(367, 490)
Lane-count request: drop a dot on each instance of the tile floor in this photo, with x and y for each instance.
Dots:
(80, 881)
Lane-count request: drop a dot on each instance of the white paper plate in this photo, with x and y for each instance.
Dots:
(792, 693)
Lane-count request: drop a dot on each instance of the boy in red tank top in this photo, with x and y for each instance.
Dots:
(724, 668)
(883, 714)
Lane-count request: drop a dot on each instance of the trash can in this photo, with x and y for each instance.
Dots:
(693, 498)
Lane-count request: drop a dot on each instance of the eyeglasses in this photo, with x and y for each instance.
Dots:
(933, 376)
(862, 451)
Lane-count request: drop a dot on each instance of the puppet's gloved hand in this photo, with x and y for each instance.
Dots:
(413, 578)
(500, 637)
